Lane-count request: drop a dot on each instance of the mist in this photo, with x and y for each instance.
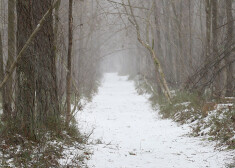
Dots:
(117, 83)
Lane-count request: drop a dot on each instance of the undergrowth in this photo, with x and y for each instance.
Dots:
(185, 107)
(217, 124)
(48, 151)
(53, 145)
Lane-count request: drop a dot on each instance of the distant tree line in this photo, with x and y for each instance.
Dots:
(193, 42)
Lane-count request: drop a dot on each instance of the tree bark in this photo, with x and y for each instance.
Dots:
(56, 26)
(179, 62)
(190, 35)
(46, 84)
(25, 47)
(2, 74)
(228, 59)
(168, 48)
(217, 90)
(208, 34)
(69, 67)
(7, 107)
(25, 64)
(25, 105)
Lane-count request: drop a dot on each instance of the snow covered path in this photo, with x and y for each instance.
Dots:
(129, 134)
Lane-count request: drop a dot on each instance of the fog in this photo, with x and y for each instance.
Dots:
(68, 67)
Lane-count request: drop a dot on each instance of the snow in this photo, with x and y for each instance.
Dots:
(71, 156)
(128, 133)
(222, 106)
(185, 104)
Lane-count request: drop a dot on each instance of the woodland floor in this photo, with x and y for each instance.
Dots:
(128, 133)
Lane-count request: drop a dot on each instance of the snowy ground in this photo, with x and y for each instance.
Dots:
(128, 133)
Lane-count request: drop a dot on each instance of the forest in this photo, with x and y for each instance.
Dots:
(117, 83)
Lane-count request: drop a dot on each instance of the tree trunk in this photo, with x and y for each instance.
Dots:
(69, 67)
(7, 107)
(178, 22)
(190, 36)
(155, 59)
(46, 84)
(217, 90)
(168, 48)
(2, 90)
(56, 52)
(208, 36)
(25, 104)
(158, 33)
(56, 27)
(228, 59)
(159, 42)
(2, 73)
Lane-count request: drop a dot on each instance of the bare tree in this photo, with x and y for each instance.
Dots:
(162, 80)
